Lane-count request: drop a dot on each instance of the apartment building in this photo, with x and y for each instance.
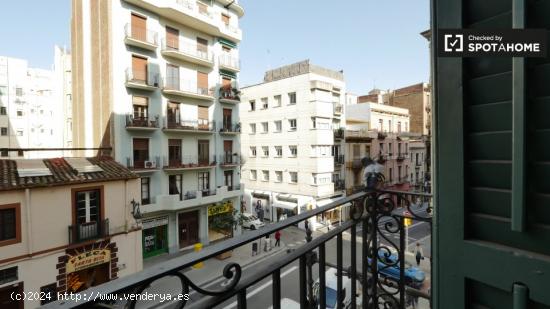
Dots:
(63, 91)
(156, 82)
(66, 225)
(30, 114)
(380, 132)
(292, 140)
(418, 155)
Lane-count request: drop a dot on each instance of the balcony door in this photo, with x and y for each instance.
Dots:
(492, 188)
(202, 83)
(87, 214)
(172, 38)
(228, 151)
(202, 113)
(139, 27)
(172, 77)
(141, 107)
(139, 69)
(141, 152)
(202, 48)
(173, 114)
(227, 116)
(228, 179)
(174, 152)
(204, 152)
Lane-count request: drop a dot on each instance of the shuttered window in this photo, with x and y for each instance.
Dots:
(139, 27)
(141, 152)
(139, 69)
(203, 117)
(172, 38)
(202, 82)
(225, 19)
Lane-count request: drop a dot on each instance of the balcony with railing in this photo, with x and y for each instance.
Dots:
(188, 163)
(186, 89)
(187, 52)
(141, 79)
(150, 164)
(142, 123)
(338, 108)
(339, 185)
(230, 94)
(140, 37)
(229, 159)
(401, 156)
(88, 231)
(339, 133)
(368, 250)
(229, 63)
(339, 160)
(230, 128)
(196, 126)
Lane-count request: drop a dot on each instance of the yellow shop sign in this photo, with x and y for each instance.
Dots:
(220, 208)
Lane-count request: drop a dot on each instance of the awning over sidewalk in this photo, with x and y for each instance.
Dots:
(284, 205)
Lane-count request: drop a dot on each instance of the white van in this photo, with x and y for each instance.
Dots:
(331, 288)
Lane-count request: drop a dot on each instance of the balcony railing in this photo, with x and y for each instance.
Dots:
(188, 162)
(338, 108)
(177, 46)
(234, 187)
(229, 159)
(382, 135)
(88, 231)
(339, 184)
(142, 78)
(142, 122)
(185, 86)
(227, 61)
(230, 93)
(151, 163)
(230, 127)
(379, 278)
(199, 125)
(141, 34)
(401, 156)
(209, 192)
(339, 133)
(339, 159)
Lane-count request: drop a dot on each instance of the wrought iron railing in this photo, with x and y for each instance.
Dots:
(88, 231)
(379, 276)
(339, 133)
(142, 122)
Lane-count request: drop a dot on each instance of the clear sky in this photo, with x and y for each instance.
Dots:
(375, 42)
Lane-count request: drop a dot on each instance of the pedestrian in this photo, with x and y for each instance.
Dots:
(418, 253)
(254, 248)
(277, 238)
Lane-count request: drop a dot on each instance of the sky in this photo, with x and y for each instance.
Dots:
(376, 43)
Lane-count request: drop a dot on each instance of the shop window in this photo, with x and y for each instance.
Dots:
(10, 224)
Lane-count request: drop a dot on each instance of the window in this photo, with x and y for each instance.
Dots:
(399, 173)
(292, 124)
(417, 162)
(293, 151)
(320, 150)
(265, 151)
(356, 151)
(253, 151)
(391, 174)
(380, 125)
(18, 91)
(19, 113)
(41, 112)
(278, 176)
(174, 185)
(320, 123)
(8, 275)
(140, 107)
(204, 181)
(3, 90)
(10, 227)
(399, 127)
(264, 127)
(278, 126)
(145, 187)
(172, 38)
(20, 132)
(406, 126)
(293, 177)
(265, 175)
(3, 110)
(252, 128)
(321, 179)
(4, 131)
(390, 149)
(253, 175)
(389, 126)
(4, 153)
(277, 101)
(20, 153)
(278, 151)
(252, 105)
(174, 152)
(225, 19)
(41, 130)
(264, 103)
(292, 98)
(140, 152)
(87, 206)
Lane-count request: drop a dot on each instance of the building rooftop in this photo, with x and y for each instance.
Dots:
(62, 173)
(299, 68)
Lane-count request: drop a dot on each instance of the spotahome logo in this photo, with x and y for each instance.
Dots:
(491, 43)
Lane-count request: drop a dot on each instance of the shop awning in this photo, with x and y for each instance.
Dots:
(284, 205)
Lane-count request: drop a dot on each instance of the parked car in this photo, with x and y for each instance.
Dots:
(331, 288)
(414, 276)
(252, 222)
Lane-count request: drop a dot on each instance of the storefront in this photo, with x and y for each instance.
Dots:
(220, 221)
(261, 206)
(188, 228)
(334, 216)
(155, 236)
(88, 269)
(284, 207)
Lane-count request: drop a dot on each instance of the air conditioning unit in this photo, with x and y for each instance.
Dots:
(150, 164)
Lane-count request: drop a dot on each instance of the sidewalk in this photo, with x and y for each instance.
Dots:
(213, 268)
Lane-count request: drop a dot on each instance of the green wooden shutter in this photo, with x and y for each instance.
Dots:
(492, 166)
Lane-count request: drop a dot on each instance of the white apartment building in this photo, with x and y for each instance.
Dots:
(377, 117)
(291, 139)
(156, 81)
(30, 114)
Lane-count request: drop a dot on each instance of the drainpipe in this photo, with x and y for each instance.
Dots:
(29, 221)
